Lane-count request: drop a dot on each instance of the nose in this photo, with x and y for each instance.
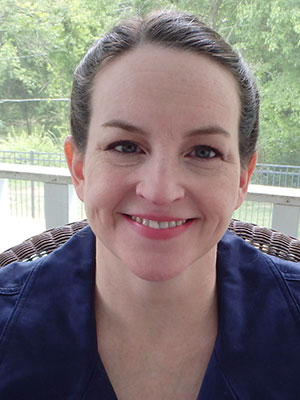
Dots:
(160, 183)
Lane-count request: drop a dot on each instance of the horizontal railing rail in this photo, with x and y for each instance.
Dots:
(60, 198)
(55, 175)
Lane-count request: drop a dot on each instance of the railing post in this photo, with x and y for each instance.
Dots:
(4, 199)
(32, 187)
(60, 204)
(286, 219)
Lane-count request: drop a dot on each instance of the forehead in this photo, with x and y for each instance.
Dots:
(153, 81)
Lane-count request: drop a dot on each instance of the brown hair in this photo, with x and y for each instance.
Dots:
(173, 30)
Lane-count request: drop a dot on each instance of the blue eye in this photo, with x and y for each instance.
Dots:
(204, 152)
(125, 147)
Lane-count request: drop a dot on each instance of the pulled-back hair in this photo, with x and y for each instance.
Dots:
(168, 29)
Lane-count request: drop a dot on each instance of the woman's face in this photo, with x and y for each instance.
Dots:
(161, 174)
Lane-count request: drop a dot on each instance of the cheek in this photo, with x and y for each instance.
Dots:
(105, 189)
(220, 193)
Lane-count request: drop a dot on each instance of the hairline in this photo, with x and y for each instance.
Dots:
(142, 43)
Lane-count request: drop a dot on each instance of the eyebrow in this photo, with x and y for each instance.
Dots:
(208, 130)
(117, 123)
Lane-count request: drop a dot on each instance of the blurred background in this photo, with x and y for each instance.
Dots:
(41, 42)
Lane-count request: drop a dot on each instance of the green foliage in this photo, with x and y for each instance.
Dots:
(42, 41)
(268, 34)
(39, 141)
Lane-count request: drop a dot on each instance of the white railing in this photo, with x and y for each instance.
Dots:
(59, 195)
(60, 202)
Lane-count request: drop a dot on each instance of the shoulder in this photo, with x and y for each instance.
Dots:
(16, 273)
(259, 319)
(13, 279)
(51, 303)
(235, 248)
(260, 275)
(18, 279)
(13, 276)
(287, 274)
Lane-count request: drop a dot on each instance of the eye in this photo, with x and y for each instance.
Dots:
(125, 146)
(204, 152)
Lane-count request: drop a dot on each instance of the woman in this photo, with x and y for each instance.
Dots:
(153, 301)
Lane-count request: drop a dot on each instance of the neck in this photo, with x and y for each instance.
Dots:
(129, 304)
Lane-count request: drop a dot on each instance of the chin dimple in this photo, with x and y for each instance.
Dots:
(158, 224)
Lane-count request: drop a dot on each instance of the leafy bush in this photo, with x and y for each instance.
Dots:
(39, 141)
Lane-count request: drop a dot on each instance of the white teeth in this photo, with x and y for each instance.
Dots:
(153, 224)
(164, 225)
(158, 225)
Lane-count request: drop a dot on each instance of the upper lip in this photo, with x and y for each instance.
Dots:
(158, 218)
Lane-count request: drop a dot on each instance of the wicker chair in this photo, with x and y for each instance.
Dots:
(266, 240)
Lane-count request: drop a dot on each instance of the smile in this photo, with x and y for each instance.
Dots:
(158, 224)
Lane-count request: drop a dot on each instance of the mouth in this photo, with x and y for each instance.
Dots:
(158, 224)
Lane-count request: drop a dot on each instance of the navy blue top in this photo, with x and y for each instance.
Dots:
(48, 343)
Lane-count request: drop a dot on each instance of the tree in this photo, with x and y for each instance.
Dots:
(42, 42)
(268, 33)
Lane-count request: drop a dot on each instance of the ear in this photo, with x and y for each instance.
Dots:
(75, 161)
(245, 176)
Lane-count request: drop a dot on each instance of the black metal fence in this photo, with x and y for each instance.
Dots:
(33, 158)
(27, 197)
(277, 175)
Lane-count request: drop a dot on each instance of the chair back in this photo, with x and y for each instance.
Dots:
(267, 240)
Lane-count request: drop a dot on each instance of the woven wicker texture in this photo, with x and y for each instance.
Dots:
(266, 240)
(42, 244)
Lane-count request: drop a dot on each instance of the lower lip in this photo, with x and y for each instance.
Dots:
(158, 234)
